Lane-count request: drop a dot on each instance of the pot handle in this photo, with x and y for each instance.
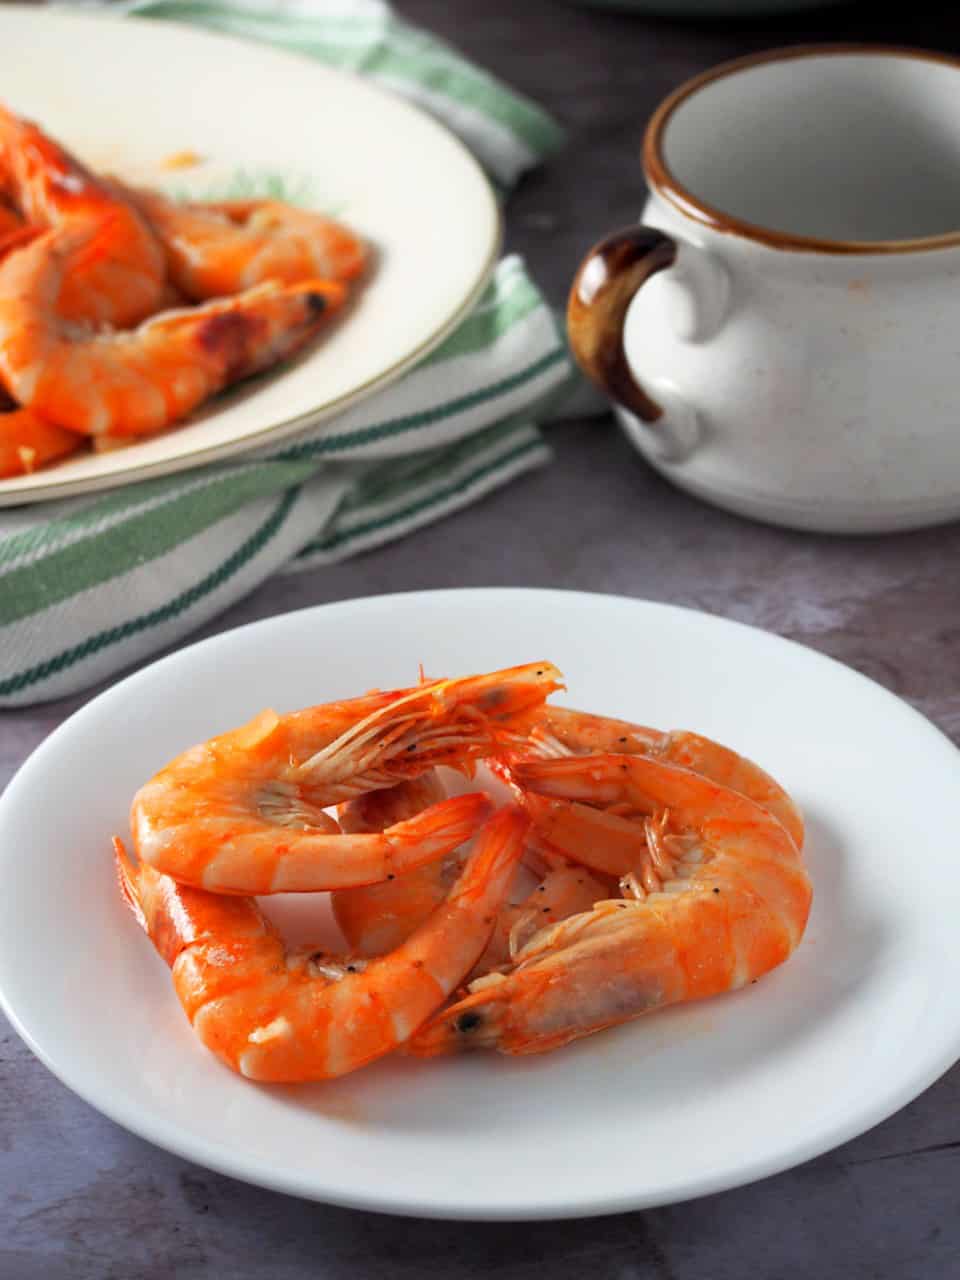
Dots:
(603, 288)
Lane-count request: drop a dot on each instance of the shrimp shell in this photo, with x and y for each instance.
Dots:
(280, 1016)
(735, 907)
(117, 271)
(244, 812)
(140, 381)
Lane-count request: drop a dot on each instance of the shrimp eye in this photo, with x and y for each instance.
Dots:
(317, 303)
(468, 1021)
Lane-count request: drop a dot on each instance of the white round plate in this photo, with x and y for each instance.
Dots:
(264, 122)
(690, 1100)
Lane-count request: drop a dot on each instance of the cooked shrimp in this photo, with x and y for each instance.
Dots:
(16, 238)
(10, 220)
(555, 732)
(219, 249)
(376, 918)
(561, 731)
(280, 1016)
(565, 890)
(28, 442)
(14, 232)
(244, 812)
(117, 268)
(138, 382)
(733, 905)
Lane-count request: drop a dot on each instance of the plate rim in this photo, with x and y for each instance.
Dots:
(52, 490)
(221, 1159)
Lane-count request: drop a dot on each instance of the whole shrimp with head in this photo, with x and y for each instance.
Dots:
(280, 1016)
(730, 902)
(245, 812)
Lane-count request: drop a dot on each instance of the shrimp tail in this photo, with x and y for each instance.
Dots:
(129, 883)
(502, 848)
(441, 828)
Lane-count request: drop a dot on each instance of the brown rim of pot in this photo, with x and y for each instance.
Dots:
(662, 180)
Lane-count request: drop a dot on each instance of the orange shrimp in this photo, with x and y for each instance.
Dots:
(138, 382)
(244, 812)
(280, 1016)
(16, 238)
(555, 732)
(117, 270)
(378, 917)
(14, 232)
(217, 249)
(564, 890)
(10, 220)
(732, 904)
(28, 442)
(562, 731)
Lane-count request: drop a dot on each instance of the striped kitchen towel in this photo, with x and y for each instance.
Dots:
(91, 585)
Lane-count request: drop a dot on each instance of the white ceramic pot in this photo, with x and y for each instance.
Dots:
(793, 353)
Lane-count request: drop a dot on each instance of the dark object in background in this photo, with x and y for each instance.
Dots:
(706, 8)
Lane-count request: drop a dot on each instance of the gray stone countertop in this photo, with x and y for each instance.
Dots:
(81, 1198)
